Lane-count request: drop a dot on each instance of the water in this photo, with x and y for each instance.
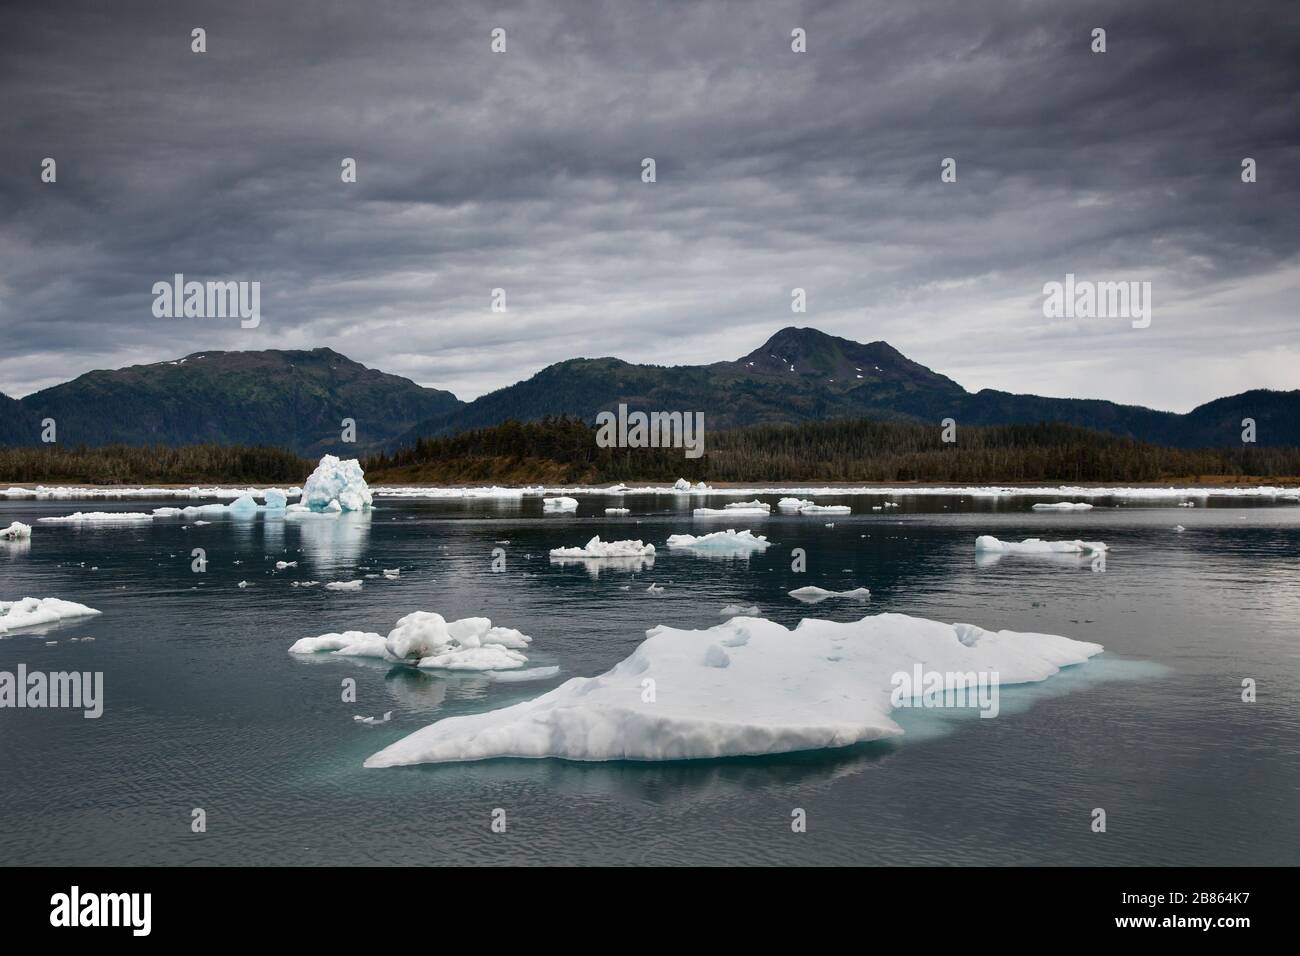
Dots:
(205, 709)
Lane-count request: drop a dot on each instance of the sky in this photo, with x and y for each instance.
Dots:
(522, 170)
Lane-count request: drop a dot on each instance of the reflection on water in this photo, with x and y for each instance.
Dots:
(331, 545)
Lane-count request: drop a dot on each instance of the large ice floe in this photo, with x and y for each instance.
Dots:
(34, 612)
(1062, 506)
(100, 518)
(15, 531)
(807, 507)
(595, 548)
(563, 503)
(427, 640)
(336, 485)
(727, 542)
(988, 544)
(744, 687)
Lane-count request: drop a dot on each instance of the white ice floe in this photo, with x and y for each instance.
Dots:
(684, 486)
(281, 565)
(392, 574)
(730, 541)
(744, 687)
(354, 585)
(1179, 528)
(563, 503)
(34, 612)
(739, 610)
(15, 531)
(276, 500)
(1063, 506)
(793, 504)
(429, 641)
(812, 594)
(816, 509)
(735, 509)
(989, 544)
(115, 491)
(595, 548)
(388, 715)
(617, 511)
(528, 673)
(336, 485)
(100, 517)
(655, 589)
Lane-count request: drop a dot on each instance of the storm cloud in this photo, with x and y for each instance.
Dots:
(775, 170)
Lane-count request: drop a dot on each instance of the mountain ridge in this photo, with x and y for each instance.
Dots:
(298, 399)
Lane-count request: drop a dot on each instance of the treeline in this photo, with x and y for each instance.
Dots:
(564, 450)
(127, 465)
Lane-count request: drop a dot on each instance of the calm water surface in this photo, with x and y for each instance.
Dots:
(204, 707)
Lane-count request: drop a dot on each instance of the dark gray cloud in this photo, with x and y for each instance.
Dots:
(522, 171)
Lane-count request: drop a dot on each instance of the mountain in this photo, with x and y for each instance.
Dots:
(17, 425)
(806, 375)
(292, 399)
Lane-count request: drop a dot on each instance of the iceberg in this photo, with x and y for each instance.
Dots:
(1063, 506)
(744, 687)
(276, 500)
(560, 504)
(15, 531)
(805, 506)
(617, 511)
(989, 544)
(595, 548)
(336, 486)
(729, 541)
(739, 610)
(34, 612)
(429, 641)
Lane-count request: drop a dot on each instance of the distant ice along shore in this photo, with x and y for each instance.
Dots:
(1289, 495)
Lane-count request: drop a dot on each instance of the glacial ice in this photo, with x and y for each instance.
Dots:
(15, 531)
(989, 544)
(739, 610)
(562, 503)
(730, 541)
(33, 612)
(353, 585)
(429, 641)
(747, 686)
(595, 548)
(100, 517)
(336, 485)
(1063, 506)
(811, 594)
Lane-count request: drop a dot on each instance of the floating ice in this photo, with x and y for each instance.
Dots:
(735, 509)
(392, 574)
(15, 531)
(816, 509)
(988, 543)
(617, 511)
(730, 541)
(429, 641)
(1063, 506)
(595, 548)
(737, 610)
(243, 505)
(560, 504)
(33, 612)
(336, 486)
(276, 499)
(528, 673)
(793, 504)
(100, 517)
(744, 687)
(281, 565)
(354, 585)
(812, 594)
(388, 715)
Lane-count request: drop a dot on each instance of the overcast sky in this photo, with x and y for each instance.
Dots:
(775, 170)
